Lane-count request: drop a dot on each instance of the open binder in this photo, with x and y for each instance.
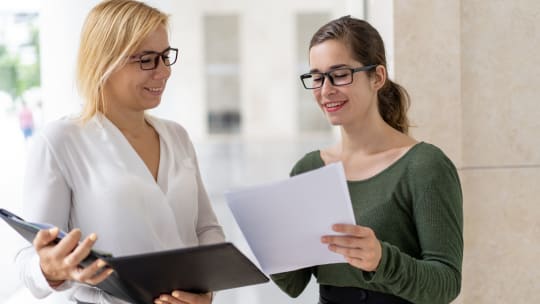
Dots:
(141, 278)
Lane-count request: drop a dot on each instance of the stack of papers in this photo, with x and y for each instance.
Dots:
(283, 221)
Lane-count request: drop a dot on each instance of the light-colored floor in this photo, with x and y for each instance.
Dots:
(225, 163)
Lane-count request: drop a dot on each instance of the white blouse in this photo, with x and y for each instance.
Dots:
(90, 177)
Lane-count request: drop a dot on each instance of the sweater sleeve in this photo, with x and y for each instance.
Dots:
(46, 199)
(293, 282)
(438, 214)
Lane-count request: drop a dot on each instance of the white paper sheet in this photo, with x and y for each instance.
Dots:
(283, 221)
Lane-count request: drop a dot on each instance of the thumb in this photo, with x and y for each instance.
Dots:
(45, 237)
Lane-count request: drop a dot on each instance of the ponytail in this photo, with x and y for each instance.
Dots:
(394, 102)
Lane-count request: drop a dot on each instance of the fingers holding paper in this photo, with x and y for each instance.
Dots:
(60, 262)
(182, 297)
(358, 244)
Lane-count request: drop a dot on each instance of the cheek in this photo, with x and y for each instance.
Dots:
(124, 84)
(317, 95)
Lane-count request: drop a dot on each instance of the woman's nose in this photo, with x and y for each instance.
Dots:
(162, 71)
(327, 86)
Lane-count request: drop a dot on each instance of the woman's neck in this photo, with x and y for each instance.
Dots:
(372, 139)
(367, 137)
(132, 124)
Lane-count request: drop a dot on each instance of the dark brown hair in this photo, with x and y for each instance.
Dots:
(367, 47)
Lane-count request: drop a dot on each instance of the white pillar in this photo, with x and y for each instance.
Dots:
(355, 8)
(184, 98)
(267, 79)
(60, 27)
(380, 13)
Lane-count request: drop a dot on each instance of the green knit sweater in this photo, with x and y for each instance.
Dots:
(415, 208)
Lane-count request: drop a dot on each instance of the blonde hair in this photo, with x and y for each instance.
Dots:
(112, 31)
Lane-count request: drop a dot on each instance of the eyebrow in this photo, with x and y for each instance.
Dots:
(145, 52)
(335, 66)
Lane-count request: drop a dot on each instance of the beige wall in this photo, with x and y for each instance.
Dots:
(472, 69)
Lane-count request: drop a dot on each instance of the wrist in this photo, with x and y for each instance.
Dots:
(54, 283)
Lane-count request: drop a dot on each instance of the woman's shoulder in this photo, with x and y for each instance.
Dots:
(426, 153)
(56, 135)
(310, 161)
(427, 159)
(61, 129)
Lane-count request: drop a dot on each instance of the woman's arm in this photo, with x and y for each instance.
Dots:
(208, 229)
(47, 199)
(293, 282)
(435, 276)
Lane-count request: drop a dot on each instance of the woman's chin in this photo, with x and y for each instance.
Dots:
(334, 121)
(150, 104)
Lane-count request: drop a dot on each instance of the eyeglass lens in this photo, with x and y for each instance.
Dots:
(150, 61)
(337, 78)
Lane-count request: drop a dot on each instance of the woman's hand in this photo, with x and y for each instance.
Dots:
(359, 245)
(60, 262)
(182, 297)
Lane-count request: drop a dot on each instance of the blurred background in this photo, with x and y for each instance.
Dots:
(471, 68)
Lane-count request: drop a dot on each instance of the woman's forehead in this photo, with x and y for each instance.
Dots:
(156, 41)
(330, 53)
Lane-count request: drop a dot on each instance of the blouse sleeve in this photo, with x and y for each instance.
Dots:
(209, 231)
(46, 199)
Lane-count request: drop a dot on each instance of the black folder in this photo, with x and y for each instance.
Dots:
(142, 278)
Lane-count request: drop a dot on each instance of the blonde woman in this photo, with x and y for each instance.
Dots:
(127, 181)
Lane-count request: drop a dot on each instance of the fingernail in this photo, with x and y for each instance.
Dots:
(163, 298)
(93, 237)
(101, 263)
(53, 230)
(110, 271)
(176, 294)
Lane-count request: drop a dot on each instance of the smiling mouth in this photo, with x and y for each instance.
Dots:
(154, 90)
(334, 105)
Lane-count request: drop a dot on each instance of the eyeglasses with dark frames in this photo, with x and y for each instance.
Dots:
(150, 60)
(338, 77)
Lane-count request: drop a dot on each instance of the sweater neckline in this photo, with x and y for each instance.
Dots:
(397, 162)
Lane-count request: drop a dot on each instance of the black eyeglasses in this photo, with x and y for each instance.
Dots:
(150, 60)
(338, 77)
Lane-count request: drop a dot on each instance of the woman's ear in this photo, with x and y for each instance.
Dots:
(379, 77)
